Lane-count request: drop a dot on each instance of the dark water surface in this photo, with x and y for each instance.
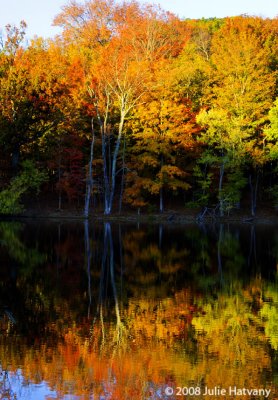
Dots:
(125, 312)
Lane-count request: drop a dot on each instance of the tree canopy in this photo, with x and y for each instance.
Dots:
(130, 105)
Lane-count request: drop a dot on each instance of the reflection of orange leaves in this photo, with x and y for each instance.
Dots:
(154, 351)
(167, 323)
(71, 354)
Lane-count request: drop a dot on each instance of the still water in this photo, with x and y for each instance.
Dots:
(128, 312)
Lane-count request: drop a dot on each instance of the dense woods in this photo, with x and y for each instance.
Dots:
(133, 108)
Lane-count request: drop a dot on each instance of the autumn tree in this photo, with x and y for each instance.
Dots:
(57, 73)
(162, 140)
(271, 146)
(241, 90)
(119, 87)
(120, 64)
(225, 139)
(15, 93)
(13, 39)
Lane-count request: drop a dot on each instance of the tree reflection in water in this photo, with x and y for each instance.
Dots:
(150, 307)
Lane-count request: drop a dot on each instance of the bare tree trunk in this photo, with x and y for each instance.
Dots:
(109, 174)
(103, 131)
(114, 161)
(123, 179)
(105, 174)
(253, 193)
(89, 180)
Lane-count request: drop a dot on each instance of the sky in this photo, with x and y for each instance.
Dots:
(39, 14)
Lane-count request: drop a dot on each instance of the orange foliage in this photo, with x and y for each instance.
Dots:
(154, 349)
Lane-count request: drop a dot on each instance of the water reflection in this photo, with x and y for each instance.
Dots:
(122, 312)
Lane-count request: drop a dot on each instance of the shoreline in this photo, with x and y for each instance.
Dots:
(269, 217)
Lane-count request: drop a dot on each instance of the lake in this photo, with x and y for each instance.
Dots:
(138, 312)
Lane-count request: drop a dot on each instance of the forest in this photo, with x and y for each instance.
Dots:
(132, 108)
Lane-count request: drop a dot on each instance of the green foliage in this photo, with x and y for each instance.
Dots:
(225, 134)
(10, 233)
(10, 200)
(233, 186)
(271, 138)
(269, 313)
(30, 178)
(203, 180)
(226, 141)
(273, 191)
(271, 132)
